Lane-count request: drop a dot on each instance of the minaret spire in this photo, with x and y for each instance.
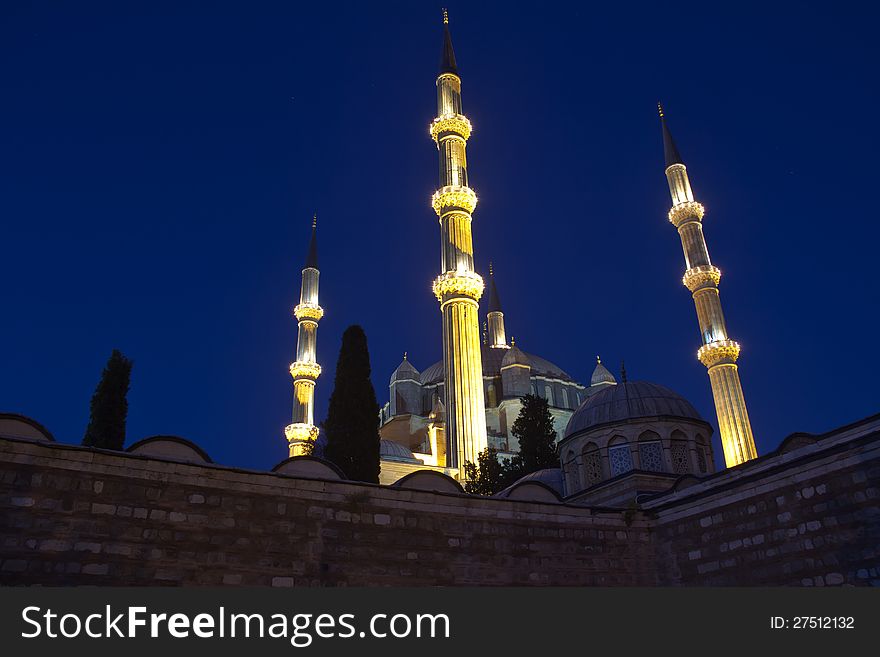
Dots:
(302, 432)
(459, 287)
(718, 353)
(447, 57)
(497, 336)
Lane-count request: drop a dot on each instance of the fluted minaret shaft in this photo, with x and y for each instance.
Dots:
(302, 433)
(459, 287)
(718, 352)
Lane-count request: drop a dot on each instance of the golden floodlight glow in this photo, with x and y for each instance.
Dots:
(718, 353)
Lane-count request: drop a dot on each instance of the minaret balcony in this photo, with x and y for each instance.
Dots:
(299, 432)
(696, 278)
(460, 283)
(722, 352)
(455, 123)
(687, 211)
(308, 311)
(305, 370)
(454, 197)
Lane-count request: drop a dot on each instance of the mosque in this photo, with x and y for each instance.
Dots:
(445, 415)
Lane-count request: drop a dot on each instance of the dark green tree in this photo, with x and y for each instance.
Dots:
(352, 424)
(109, 407)
(490, 474)
(537, 437)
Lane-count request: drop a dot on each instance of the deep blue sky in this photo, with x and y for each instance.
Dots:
(160, 163)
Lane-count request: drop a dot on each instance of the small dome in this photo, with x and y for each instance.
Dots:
(392, 451)
(601, 374)
(405, 372)
(493, 361)
(628, 401)
(515, 356)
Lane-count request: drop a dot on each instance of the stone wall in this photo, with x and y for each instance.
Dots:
(809, 516)
(806, 515)
(72, 515)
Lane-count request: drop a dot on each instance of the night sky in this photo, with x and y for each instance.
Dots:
(160, 164)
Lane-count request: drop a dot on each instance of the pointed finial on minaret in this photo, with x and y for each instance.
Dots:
(622, 371)
(598, 361)
(670, 151)
(447, 57)
(404, 355)
(490, 269)
(312, 254)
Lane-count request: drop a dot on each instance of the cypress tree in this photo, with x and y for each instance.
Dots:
(537, 437)
(352, 424)
(109, 407)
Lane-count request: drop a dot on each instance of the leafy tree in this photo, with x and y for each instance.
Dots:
(352, 424)
(490, 474)
(109, 407)
(537, 437)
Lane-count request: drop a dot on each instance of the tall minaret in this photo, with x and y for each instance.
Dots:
(718, 352)
(302, 433)
(497, 336)
(458, 288)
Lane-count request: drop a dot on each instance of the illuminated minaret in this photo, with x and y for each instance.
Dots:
(458, 288)
(718, 352)
(302, 433)
(497, 336)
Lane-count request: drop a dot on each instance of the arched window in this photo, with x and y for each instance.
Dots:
(679, 454)
(619, 456)
(702, 453)
(592, 464)
(650, 452)
(569, 467)
(491, 397)
(548, 395)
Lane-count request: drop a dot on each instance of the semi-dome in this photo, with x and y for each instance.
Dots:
(629, 401)
(392, 451)
(405, 371)
(492, 359)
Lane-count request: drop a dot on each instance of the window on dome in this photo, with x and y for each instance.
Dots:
(620, 459)
(548, 395)
(651, 456)
(592, 464)
(564, 398)
(678, 452)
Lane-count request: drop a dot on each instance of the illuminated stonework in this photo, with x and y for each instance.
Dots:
(308, 311)
(300, 436)
(454, 197)
(305, 370)
(458, 284)
(689, 210)
(717, 353)
(455, 123)
(302, 432)
(458, 287)
(701, 276)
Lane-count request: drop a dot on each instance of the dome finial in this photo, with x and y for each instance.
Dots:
(445, 16)
(490, 269)
(512, 341)
(315, 220)
(660, 109)
(623, 371)
(404, 355)
(598, 360)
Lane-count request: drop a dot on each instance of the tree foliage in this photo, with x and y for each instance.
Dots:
(537, 436)
(109, 407)
(489, 474)
(352, 424)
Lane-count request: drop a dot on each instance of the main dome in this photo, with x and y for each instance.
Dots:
(492, 358)
(629, 401)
